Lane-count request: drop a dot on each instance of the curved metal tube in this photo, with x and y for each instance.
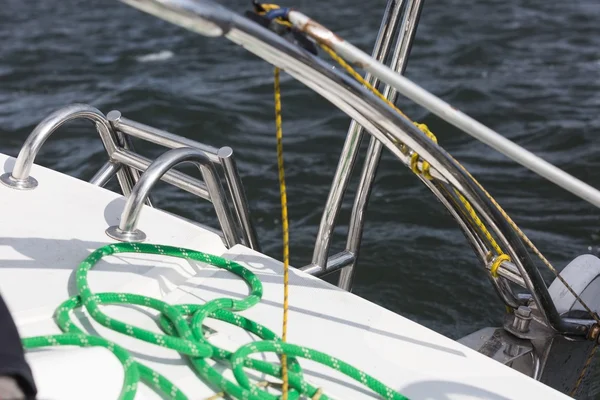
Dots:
(20, 178)
(380, 121)
(127, 229)
(500, 284)
(44, 129)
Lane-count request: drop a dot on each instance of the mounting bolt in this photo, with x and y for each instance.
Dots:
(522, 319)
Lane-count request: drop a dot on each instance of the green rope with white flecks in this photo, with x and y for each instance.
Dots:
(182, 327)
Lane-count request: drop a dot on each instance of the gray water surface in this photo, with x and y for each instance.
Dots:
(529, 69)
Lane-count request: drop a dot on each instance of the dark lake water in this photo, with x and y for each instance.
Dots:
(530, 69)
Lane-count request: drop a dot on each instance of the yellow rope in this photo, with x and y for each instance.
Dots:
(473, 214)
(496, 264)
(359, 78)
(318, 394)
(425, 171)
(415, 157)
(284, 221)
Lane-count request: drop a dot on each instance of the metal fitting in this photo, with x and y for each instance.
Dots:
(522, 319)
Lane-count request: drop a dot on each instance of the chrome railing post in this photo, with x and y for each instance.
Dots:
(240, 203)
(127, 229)
(126, 143)
(351, 147)
(408, 29)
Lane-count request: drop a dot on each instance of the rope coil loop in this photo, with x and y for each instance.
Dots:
(182, 325)
(496, 264)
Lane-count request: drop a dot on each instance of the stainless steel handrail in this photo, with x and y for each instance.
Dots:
(127, 228)
(126, 143)
(127, 165)
(238, 196)
(20, 177)
(222, 156)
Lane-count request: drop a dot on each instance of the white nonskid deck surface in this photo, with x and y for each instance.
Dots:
(47, 232)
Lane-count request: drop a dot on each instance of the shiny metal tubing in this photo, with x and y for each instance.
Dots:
(449, 201)
(336, 262)
(445, 111)
(510, 271)
(126, 143)
(477, 242)
(20, 178)
(392, 129)
(408, 29)
(218, 156)
(105, 173)
(157, 136)
(352, 144)
(127, 229)
(240, 203)
(510, 276)
(537, 366)
(175, 178)
(511, 242)
(205, 17)
(502, 288)
(44, 129)
(388, 127)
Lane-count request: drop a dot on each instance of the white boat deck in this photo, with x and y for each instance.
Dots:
(45, 233)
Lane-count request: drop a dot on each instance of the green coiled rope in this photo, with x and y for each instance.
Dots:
(182, 327)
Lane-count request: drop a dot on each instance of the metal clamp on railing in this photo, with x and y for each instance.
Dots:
(19, 178)
(127, 230)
